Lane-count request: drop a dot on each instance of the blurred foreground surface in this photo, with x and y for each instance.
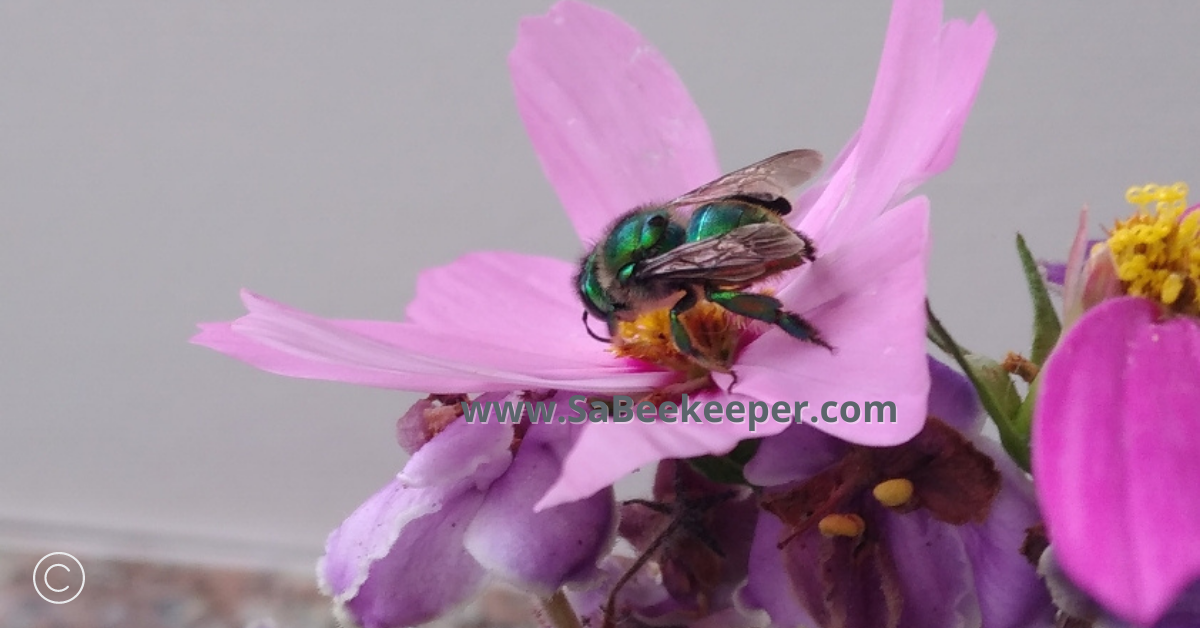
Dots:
(121, 594)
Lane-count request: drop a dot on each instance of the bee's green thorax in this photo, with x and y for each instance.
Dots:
(640, 235)
(717, 219)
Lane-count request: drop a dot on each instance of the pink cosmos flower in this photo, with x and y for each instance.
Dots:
(1116, 429)
(614, 128)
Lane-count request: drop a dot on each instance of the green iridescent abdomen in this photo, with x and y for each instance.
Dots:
(717, 219)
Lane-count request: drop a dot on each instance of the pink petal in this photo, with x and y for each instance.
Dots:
(486, 322)
(524, 303)
(612, 124)
(927, 81)
(606, 452)
(1073, 275)
(1116, 453)
(868, 300)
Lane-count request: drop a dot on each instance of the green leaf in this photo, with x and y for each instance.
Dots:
(1024, 421)
(1046, 326)
(997, 393)
(727, 469)
(719, 469)
(997, 381)
(744, 451)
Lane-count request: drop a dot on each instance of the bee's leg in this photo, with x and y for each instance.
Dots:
(683, 340)
(679, 333)
(769, 310)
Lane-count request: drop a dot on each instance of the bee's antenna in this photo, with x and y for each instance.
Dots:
(589, 329)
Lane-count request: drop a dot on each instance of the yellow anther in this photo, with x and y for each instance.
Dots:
(850, 525)
(1157, 250)
(1168, 195)
(893, 493)
(1172, 286)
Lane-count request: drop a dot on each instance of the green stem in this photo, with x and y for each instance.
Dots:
(559, 612)
(1015, 443)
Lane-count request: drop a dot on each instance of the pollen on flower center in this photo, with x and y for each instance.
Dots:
(1157, 252)
(893, 493)
(848, 525)
(714, 331)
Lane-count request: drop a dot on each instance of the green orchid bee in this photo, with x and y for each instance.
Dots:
(656, 257)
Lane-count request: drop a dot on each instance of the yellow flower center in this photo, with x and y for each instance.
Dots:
(1157, 252)
(714, 332)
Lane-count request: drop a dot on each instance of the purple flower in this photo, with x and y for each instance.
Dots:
(462, 509)
(1116, 429)
(615, 128)
(923, 534)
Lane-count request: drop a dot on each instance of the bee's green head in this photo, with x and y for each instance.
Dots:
(595, 300)
(641, 234)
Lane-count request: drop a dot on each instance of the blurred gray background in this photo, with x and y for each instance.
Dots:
(156, 157)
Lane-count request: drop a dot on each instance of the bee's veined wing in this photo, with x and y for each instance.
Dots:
(742, 255)
(768, 179)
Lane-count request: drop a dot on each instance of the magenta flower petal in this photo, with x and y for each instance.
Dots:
(927, 81)
(504, 297)
(1116, 452)
(546, 549)
(606, 452)
(612, 124)
(371, 558)
(407, 356)
(868, 299)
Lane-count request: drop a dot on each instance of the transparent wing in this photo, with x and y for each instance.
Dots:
(768, 179)
(742, 255)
